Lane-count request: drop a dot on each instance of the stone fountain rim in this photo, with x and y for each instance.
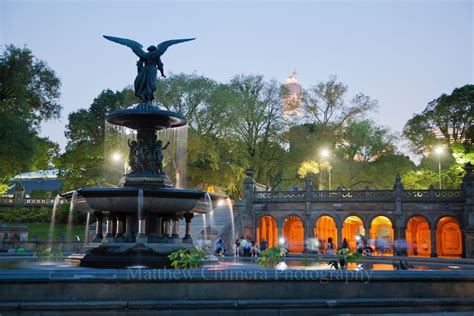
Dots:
(151, 112)
(147, 192)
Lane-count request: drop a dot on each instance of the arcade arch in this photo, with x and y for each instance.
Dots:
(418, 236)
(448, 237)
(267, 230)
(293, 233)
(325, 228)
(381, 231)
(352, 227)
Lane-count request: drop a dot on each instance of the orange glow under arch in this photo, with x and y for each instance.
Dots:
(448, 238)
(418, 236)
(326, 228)
(293, 232)
(352, 227)
(267, 230)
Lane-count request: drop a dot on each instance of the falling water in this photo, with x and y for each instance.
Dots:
(140, 209)
(86, 233)
(204, 225)
(70, 217)
(210, 209)
(175, 160)
(175, 155)
(116, 145)
(228, 202)
(53, 220)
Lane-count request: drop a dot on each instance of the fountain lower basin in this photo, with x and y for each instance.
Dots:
(125, 200)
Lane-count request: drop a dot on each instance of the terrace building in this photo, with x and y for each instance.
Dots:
(433, 222)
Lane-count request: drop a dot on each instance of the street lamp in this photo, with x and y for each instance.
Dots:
(118, 157)
(325, 154)
(439, 152)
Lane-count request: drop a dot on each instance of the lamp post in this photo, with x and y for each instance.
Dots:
(118, 157)
(325, 154)
(439, 151)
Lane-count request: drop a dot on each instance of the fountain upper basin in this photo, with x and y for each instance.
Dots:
(146, 116)
(125, 200)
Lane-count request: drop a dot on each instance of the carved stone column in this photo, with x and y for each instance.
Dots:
(166, 229)
(187, 236)
(98, 227)
(141, 236)
(120, 228)
(175, 232)
(109, 237)
(128, 228)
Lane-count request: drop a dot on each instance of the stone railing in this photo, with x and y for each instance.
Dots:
(6, 201)
(357, 196)
(280, 196)
(432, 195)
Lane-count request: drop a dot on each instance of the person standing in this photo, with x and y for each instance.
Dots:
(237, 247)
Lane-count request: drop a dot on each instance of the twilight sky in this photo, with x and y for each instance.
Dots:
(402, 53)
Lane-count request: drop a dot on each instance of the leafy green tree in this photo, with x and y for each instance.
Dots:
(452, 115)
(326, 104)
(257, 122)
(83, 162)
(29, 95)
(203, 101)
(47, 153)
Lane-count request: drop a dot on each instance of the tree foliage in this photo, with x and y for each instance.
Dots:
(29, 95)
(326, 104)
(452, 115)
(83, 162)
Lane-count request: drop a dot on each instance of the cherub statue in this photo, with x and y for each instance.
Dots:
(158, 156)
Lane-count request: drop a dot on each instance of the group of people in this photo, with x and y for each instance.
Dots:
(246, 248)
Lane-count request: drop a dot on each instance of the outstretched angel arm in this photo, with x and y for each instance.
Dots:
(163, 46)
(136, 47)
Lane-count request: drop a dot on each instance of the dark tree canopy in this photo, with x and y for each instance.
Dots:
(452, 115)
(28, 87)
(29, 95)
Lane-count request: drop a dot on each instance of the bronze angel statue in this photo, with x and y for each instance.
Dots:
(147, 65)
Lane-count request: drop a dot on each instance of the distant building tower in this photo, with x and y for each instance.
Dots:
(292, 102)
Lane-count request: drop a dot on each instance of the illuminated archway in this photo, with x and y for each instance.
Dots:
(293, 232)
(267, 230)
(352, 227)
(448, 237)
(418, 235)
(326, 228)
(382, 232)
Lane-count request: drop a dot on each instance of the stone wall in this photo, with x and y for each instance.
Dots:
(233, 292)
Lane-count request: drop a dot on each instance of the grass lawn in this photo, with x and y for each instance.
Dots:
(41, 230)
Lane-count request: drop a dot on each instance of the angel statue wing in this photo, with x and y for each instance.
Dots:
(163, 46)
(136, 47)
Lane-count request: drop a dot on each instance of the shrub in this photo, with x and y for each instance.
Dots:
(185, 259)
(269, 258)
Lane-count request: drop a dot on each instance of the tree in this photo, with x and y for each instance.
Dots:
(47, 153)
(29, 88)
(203, 101)
(83, 163)
(29, 95)
(452, 115)
(326, 104)
(257, 122)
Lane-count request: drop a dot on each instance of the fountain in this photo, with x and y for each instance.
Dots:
(143, 213)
